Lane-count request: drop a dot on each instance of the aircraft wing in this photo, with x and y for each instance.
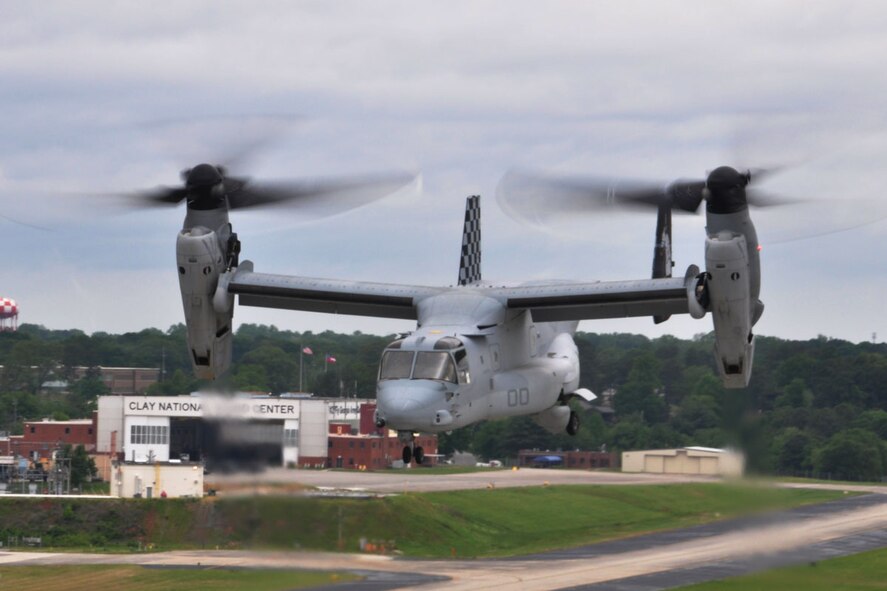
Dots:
(603, 299)
(333, 296)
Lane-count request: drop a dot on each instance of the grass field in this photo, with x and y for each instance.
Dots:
(470, 523)
(860, 572)
(799, 480)
(138, 578)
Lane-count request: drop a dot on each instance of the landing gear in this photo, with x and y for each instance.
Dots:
(411, 451)
(573, 423)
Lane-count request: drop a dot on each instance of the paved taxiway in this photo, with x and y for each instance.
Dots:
(655, 561)
(421, 480)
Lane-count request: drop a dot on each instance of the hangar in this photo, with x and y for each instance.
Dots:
(213, 429)
(706, 461)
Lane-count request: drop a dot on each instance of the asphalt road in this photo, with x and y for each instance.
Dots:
(655, 561)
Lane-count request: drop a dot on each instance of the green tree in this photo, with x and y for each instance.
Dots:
(641, 393)
(853, 454)
(793, 451)
(82, 466)
(281, 369)
(795, 395)
(250, 378)
(84, 393)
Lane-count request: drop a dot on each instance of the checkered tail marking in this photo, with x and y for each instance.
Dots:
(469, 264)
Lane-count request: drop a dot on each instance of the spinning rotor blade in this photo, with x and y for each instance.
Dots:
(207, 187)
(540, 199)
(316, 197)
(160, 197)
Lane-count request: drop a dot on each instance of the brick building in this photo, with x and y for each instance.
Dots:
(370, 451)
(123, 380)
(570, 459)
(41, 438)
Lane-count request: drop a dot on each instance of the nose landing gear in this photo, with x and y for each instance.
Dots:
(411, 451)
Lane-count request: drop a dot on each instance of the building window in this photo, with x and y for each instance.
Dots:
(89, 431)
(32, 430)
(149, 434)
(290, 437)
(67, 430)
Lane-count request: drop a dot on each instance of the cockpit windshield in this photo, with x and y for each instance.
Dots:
(434, 366)
(448, 362)
(396, 365)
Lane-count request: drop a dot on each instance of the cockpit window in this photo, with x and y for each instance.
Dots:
(434, 366)
(396, 365)
(462, 366)
(447, 343)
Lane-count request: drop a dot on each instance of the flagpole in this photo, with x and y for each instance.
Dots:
(301, 351)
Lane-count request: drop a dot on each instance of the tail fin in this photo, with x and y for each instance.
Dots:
(469, 264)
(662, 262)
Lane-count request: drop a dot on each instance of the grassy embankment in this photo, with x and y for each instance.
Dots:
(859, 572)
(462, 523)
(138, 578)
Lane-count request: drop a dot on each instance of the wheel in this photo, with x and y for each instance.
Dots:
(419, 454)
(407, 454)
(573, 423)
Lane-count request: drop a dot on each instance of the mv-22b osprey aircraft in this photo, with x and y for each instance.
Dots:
(479, 351)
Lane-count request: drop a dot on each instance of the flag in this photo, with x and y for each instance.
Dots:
(330, 359)
(307, 351)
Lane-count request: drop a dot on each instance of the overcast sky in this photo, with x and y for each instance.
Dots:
(102, 97)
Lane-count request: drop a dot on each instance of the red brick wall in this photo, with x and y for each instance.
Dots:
(370, 451)
(44, 437)
(368, 420)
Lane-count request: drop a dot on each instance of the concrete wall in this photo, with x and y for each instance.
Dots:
(313, 428)
(144, 452)
(176, 480)
(110, 419)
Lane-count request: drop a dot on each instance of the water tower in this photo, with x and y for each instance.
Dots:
(8, 314)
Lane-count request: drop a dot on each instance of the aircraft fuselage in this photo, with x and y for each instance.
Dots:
(447, 375)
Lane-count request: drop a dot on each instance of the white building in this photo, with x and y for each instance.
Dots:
(288, 431)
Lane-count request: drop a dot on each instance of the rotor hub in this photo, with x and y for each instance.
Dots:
(726, 190)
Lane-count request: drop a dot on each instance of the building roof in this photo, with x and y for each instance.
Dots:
(70, 422)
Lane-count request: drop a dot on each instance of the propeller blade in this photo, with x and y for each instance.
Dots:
(315, 197)
(540, 199)
(759, 198)
(151, 198)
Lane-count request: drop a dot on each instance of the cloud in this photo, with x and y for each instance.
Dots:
(462, 91)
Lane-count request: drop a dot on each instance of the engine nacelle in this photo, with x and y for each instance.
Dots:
(729, 300)
(554, 420)
(201, 261)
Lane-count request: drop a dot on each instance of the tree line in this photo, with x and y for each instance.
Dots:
(815, 407)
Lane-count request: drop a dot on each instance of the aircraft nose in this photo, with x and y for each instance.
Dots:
(409, 404)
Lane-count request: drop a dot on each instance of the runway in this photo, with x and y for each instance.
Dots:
(655, 561)
(421, 480)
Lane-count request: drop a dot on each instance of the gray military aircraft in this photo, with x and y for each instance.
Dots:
(479, 351)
